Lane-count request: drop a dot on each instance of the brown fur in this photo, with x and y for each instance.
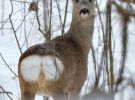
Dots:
(72, 49)
(129, 1)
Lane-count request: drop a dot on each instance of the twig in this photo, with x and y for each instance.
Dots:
(25, 31)
(8, 65)
(20, 1)
(28, 33)
(6, 20)
(50, 25)
(65, 17)
(7, 93)
(102, 25)
(124, 11)
(58, 7)
(39, 26)
(125, 18)
(22, 22)
(97, 67)
(3, 8)
(109, 30)
(97, 77)
(13, 27)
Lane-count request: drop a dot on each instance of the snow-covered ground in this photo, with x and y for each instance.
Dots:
(11, 53)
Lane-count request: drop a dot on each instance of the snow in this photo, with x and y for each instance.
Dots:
(8, 81)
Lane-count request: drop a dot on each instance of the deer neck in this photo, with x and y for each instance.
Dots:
(82, 32)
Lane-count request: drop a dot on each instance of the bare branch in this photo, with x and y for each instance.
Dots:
(125, 15)
(38, 21)
(13, 27)
(8, 65)
(7, 93)
(65, 17)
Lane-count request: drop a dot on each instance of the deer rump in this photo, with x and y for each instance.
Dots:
(54, 68)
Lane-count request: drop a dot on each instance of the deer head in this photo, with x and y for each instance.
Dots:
(83, 9)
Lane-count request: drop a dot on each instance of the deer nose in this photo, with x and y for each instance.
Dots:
(84, 11)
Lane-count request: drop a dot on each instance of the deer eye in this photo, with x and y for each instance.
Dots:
(76, 1)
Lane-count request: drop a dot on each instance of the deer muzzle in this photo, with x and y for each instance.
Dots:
(84, 12)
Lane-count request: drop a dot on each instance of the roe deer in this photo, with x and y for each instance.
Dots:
(59, 68)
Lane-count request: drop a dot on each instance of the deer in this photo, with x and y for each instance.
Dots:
(58, 68)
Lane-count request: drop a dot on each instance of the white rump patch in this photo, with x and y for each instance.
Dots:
(33, 65)
(53, 67)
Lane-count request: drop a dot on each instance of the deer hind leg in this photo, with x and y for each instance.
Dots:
(73, 96)
(59, 97)
(28, 92)
(29, 71)
(45, 98)
(27, 96)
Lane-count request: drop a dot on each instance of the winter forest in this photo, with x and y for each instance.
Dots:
(111, 63)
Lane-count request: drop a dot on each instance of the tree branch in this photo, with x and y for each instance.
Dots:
(13, 27)
(8, 65)
(7, 93)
